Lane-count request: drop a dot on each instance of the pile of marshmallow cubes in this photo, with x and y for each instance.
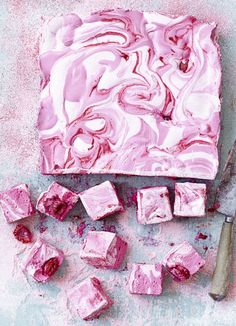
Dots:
(106, 249)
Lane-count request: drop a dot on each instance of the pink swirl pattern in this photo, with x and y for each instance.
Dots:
(129, 92)
(146, 279)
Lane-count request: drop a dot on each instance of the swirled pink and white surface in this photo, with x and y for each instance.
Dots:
(129, 92)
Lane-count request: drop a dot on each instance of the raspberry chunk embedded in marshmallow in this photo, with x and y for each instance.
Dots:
(57, 201)
(16, 203)
(153, 205)
(146, 279)
(190, 199)
(101, 201)
(183, 261)
(42, 261)
(103, 249)
(88, 299)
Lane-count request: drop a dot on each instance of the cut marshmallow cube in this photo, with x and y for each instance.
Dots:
(153, 205)
(183, 261)
(101, 201)
(88, 299)
(103, 249)
(42, 261)
(16, 203)
(190, 199)
(146, 279)
(57, 201)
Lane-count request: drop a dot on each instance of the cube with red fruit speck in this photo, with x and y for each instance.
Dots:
(42, 261)
(153, 205)
(16, 203)
(190, 199)
(183, 261)
(57, 201)
(146, 279)
(88, 299)
(101, 201)
(103, 249)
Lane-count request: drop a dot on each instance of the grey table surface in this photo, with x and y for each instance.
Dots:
(23, 302)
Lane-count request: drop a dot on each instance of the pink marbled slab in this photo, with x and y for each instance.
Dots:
(129, 92)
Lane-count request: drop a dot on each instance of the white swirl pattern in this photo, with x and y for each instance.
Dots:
(129, 92)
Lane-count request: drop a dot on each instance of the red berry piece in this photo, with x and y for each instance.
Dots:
(179, 272)
(22, 234)
(55, 206)
(50, 266)
(183, 66)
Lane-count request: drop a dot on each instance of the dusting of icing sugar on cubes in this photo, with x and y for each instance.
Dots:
(103, 249)
(153, 205)
(16, 203)
(101, 201)
(88, 299)
(57, 201)
(42, 261)
(183, 261)
(146, 279)
(190, 199)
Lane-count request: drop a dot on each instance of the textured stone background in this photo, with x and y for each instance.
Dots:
(23, 302)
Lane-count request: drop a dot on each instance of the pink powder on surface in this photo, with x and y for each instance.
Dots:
(41, 225)
(109, 228)
(201, 236)
(131, 199)
(71, 233)
(42, 228)
(81, 228)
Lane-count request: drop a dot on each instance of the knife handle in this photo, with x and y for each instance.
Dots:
(220, 279)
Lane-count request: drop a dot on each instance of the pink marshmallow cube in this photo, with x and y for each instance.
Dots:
(103, 249)
(190, 199)
(146, 279)
(88, 299)
(183, 261)
(153, 205)
(16, 203)
(57, 201)
(42, 261)
(101, 201)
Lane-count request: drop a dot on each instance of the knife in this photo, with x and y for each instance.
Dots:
(226, 203)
